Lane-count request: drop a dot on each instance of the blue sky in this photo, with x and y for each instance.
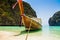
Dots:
(44, 8)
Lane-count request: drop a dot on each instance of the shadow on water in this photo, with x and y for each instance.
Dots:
(22, 29)
(26, 31)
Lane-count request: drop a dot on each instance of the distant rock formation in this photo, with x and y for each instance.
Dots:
(9, 16)
(55, 19)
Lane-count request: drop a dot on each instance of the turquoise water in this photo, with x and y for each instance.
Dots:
(45, 29)
(12, 28)
(51, 29)
(53, 32)
(48, 33)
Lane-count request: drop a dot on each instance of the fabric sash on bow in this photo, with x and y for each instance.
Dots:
(21, 10)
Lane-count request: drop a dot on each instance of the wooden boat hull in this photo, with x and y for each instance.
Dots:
(34, 25)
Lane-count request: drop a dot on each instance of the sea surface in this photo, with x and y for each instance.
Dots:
(47, 32)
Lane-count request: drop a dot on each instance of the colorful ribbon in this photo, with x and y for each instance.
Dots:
(21, 6)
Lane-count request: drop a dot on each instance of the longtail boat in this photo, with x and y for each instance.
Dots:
(27, 21)
(31, 22)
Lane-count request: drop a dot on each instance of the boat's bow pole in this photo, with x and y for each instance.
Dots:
(21, 10)
(22, 15)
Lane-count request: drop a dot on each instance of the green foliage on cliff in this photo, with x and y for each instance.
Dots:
(9, 16)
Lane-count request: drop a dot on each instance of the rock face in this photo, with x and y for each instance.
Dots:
(55, 19)
(9, 16)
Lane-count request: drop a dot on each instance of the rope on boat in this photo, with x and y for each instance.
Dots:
(28, 30)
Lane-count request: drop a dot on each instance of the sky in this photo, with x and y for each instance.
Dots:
(45, 8)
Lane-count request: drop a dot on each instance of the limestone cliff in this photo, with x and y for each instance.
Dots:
(55, 19)
(9, 16)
